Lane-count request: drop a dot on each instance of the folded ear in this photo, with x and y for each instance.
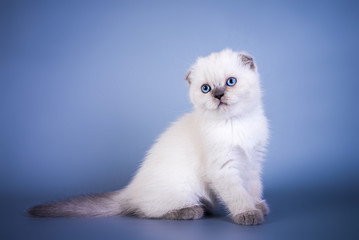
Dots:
(247, 60)
(188, 76)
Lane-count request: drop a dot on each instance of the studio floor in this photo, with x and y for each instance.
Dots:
(299, 213)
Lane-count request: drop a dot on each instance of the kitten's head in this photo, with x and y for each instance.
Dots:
(225, 83)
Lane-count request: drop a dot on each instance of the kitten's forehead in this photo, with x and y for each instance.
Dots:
(216, 66)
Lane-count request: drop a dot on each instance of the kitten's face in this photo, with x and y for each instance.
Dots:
(225, 82)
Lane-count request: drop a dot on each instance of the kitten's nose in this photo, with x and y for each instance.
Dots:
(218, 93)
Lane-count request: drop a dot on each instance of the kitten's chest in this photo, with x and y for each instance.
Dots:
(245, 133)
(234, 134)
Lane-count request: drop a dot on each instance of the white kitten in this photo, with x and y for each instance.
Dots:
(214, 152)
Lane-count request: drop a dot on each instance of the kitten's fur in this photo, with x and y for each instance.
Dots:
(214, 152)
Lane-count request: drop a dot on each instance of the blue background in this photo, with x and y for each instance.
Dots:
(87, 86)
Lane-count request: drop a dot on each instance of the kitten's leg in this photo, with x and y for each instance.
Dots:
(254, 182)
(254, 186)
(189, 213)
(176, 201)
(228, 184)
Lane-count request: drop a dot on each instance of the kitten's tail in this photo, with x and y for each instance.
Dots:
(102, 204)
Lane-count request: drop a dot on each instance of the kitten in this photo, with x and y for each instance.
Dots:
(214, 152)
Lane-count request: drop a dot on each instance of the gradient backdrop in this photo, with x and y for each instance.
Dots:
(86, 87)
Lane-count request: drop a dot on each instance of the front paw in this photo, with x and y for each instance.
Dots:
(262, 205)
(250, 217)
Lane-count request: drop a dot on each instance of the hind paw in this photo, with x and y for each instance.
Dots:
(190, 213)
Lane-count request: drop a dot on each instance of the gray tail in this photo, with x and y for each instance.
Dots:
(102, 204)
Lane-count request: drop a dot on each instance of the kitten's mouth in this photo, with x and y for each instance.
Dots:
(222, 104)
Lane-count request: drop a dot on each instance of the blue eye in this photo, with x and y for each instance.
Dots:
(231, 81)
(205, 88)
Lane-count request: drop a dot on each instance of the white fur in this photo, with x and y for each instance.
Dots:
(213, 152)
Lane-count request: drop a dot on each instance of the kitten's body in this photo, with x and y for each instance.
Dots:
(213, 153)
